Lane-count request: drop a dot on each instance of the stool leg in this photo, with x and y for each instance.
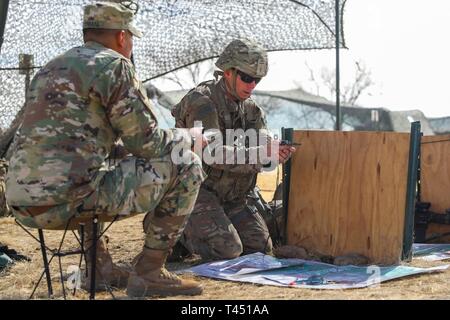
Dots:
(46, 266)
(83, 254)
(93, 257)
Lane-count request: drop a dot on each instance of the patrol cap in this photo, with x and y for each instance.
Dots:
(107, 15)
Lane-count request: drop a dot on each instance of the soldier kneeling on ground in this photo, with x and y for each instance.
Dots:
(226, 221)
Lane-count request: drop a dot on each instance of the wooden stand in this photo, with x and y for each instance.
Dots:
(348, 193)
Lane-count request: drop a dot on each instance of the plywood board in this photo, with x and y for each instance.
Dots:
(435, 179)
(348, 193)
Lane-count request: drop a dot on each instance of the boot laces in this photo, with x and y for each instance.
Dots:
(165, 274)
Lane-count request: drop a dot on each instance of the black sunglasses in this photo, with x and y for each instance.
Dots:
(247, 78)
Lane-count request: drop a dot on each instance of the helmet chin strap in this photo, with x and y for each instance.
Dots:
(232, 91)
(217, 74)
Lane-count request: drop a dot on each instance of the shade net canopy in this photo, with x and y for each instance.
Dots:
(177, 33)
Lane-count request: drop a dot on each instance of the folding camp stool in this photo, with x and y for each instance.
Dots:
(72, 224)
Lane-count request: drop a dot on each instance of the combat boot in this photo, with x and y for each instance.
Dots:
(150, 277)
(107, 273)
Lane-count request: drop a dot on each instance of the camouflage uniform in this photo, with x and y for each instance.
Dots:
(224, 222)
(77, 107)
(62, 166)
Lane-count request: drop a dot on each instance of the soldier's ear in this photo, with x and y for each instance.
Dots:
(227, 74)
(121, 38)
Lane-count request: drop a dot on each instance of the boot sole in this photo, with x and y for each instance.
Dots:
(103, 286)
(164, 292)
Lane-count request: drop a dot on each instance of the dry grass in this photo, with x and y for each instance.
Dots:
(127, 238)
(126, 241)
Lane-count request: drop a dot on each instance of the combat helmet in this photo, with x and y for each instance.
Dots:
(246, 56)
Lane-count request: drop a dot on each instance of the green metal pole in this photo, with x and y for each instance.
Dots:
(338, 75)
(411, 188)
(3, 14)
(286, 134)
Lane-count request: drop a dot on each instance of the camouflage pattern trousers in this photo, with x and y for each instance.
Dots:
(224, 231)
(165, 192)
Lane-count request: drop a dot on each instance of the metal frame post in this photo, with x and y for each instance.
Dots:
(338, 80)
(46, 264)
(93, 257)
(286, 134)
(411, 188)
(26, 64)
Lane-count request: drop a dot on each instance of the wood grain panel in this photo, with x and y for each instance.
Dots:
(348, 193)
(435, 179)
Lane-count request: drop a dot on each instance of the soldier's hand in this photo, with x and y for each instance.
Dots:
(285, 152)
(282, 152)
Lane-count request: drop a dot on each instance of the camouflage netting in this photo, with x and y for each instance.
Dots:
(177, 33)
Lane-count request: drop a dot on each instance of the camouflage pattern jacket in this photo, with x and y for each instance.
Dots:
(77, 107)
(210, 104)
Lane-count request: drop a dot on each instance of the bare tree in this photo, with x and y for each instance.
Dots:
(350, 92)
(304, 116)
(191, 75)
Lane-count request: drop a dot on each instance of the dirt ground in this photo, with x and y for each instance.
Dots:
(126, 239)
